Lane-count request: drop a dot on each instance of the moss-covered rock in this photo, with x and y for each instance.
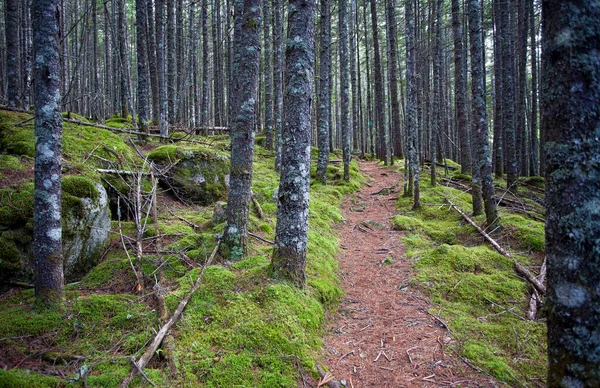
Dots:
(199, 174)
(85, 223)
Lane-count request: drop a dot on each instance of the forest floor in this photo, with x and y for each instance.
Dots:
(383, 334)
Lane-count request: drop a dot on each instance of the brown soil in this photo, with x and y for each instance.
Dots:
(383, 334)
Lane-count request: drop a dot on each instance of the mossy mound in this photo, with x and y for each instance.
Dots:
(475, 289)
(85, 223)
(198, 174)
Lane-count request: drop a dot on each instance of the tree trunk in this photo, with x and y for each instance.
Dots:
(534, 143)
(245, 83)
(142, 69)
(13, 65)
(163, 105)
(508, 97)
(204, 116)
(482, 159)
(412, 125)
(277, 79)
(499, 94)
(268, 75)
(460, 85)
(152, 61)
(571, 119)
(171, 60)
(396, 124)
(324, 100)
(291, 235)
(381, 148)
(344, 86)
(47, 229)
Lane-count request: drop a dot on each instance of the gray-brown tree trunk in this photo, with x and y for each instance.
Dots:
(13, 65)
(344, 86)
(245, 82)
(570, 107)
(163, 105)
(396, 123)
(381, 147)
(291, 235)
(47, 205)
(277, 78)
(460, 86)
(412, 125)
(267, 22)
(482, 166)
(142, 64)
(508, 96)
(324, 101)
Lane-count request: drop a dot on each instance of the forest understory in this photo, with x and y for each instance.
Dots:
(413, 298)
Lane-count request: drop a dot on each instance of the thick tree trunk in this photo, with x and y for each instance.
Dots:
(291, 235)
(324, 100)
(460, 86)
(482, 160)
(47, 229)
(571, 119)
(344, 85)
(245, 82)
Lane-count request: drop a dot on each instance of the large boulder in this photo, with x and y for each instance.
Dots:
(85, 223)
(198, 174)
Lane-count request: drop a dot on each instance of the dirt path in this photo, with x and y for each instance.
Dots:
(383, 335)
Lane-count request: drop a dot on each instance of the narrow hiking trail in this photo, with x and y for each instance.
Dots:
(383, 335)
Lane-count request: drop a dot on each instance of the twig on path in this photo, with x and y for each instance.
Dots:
(256, 236)
(344, 356)
(142, 372)
(408, 353)
(327, 378)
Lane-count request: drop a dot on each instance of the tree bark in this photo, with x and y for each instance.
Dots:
(204, 115)
(571, 120)
(268, 75)
(277, 79)
(47, 229)
(534, 143)
(152, 61)
(508, 97)
(142, 65)
(396, 123)
(324, 100)
(381, 148)
(460, 86)
(344, 86)
(163, 105)
(412, 125)
(13, 65)
(245, 82)
(291, 235)
(482, 160)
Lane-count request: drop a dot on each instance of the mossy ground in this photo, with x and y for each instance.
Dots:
(468, 281)
(239, 329)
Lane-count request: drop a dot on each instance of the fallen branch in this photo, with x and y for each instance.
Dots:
(539, 286)
(147, 356)
(327, 379)
(535, 299)
(260, 238)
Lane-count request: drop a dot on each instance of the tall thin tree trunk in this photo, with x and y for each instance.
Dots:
(412, 125)
(324, 90)
(171, 59)
(534, 143)
(393, 58)
(277, 79)
(152, 60)
(344, 86)
(268, 75)
(508, 96)
(142, 64)
(460, 85)
(163, 105)
(13, 65)
(379, 98)
(499, 93)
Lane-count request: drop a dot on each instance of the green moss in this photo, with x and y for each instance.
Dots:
(529, 234)
(10, 257)
(79, 186)
(17, 378)
(406, 223)
(467, 284)
(10, 162)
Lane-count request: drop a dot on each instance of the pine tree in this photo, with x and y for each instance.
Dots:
(324, 101)
(291, 235)
(344, 86)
